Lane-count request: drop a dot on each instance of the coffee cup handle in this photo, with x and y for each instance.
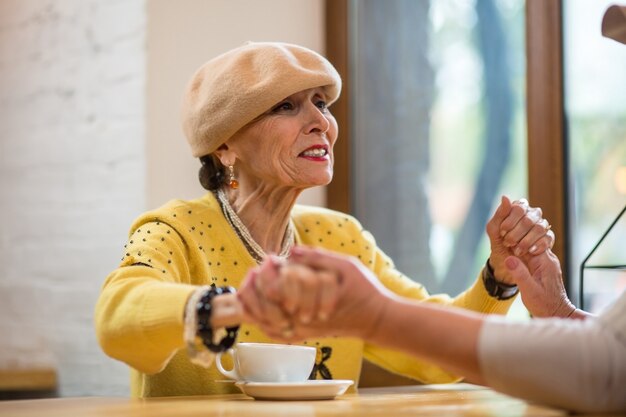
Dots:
(232, 374)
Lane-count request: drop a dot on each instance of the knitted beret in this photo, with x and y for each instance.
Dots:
(234, 88)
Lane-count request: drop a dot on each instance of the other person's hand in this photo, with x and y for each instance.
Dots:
(541, 285)
(321, 293)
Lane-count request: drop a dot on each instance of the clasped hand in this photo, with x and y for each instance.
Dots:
(320, 293)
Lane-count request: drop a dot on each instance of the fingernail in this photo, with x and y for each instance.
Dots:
(322, 316)
(287, 333)
(305, 318)
(296, 251)
(517, 251)
(532, 249)
(502, 233)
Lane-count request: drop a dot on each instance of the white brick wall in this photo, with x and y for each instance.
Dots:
(72, 177)
(75, 119)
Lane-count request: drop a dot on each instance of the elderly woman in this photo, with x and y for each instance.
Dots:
(258, 119)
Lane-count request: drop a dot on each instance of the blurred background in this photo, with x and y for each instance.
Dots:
(90, 93)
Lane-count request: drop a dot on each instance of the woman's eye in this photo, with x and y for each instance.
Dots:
(285, 106)
(321, 104)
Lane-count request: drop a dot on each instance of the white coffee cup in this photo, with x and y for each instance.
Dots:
(265, 362)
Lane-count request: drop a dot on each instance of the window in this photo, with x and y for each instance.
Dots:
(595, 108)
(438, 129)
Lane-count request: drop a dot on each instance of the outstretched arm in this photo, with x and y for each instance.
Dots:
(578, 365)
(362, 308)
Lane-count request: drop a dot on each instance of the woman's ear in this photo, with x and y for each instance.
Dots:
(226, 155)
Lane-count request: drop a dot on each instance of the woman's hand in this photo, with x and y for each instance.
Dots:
(226, 311)
(261, 299)
(319, 293)
(516, 229)
(541, 285)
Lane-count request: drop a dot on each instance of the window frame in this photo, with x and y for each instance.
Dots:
(547, 146)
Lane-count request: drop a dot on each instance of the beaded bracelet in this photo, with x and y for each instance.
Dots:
(205, 330)
(198, 354)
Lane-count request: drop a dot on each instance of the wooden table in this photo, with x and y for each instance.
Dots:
(414, 401)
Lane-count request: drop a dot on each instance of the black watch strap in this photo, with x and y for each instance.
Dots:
(495, 288)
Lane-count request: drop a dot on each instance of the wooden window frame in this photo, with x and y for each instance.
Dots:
(547, 150)
(547, 145)
(337, 51)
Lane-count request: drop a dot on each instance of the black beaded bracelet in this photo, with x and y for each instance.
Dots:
(495, 288)
(205, 331)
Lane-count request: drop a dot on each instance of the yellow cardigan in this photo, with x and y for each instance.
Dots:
(184, 244)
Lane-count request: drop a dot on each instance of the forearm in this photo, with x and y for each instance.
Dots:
(139, 320)
(445, 336)
(565, 363)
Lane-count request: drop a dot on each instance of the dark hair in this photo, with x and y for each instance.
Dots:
(212, 173)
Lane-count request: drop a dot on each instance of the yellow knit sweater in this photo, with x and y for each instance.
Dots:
(184, 244)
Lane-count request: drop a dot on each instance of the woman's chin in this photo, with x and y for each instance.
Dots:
(320, 182)
(311, 181)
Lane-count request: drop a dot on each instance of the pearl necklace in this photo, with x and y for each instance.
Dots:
(257, 253)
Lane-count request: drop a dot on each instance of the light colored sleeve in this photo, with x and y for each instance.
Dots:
(572, 364)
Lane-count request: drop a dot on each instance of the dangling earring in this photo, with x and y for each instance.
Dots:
(234, 184)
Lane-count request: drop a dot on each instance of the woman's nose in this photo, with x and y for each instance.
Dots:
(318, 120)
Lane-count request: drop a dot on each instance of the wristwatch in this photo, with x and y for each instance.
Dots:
(495, 288)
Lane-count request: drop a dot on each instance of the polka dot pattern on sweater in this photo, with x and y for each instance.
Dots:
(191, 243)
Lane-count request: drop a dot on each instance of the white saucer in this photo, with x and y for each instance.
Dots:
(309, 390)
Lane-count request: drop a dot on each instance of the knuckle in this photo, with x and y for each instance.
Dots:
(527, 222)
(539, 229)
(308, 283)
(509, 239)
(516, 210)
(525, 242)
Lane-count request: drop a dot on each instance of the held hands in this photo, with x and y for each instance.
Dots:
(315, 293)
(516, 229)
(541, 285)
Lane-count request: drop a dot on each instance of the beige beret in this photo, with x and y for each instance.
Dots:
(234, 88)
